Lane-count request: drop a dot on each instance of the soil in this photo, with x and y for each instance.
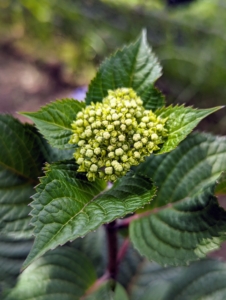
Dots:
(25, 87)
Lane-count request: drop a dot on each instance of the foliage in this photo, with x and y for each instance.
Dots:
(165, 207)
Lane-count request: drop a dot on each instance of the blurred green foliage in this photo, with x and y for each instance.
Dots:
(190, 41)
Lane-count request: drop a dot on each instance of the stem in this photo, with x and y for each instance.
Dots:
(112, 249)
(125, 222)
(96, 285)
(122, 251)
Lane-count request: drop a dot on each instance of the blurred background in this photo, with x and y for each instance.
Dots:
(51, 49)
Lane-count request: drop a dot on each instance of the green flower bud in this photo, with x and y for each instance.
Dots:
(136, 137)
(115, 134)
(89, 153)
(137, 154)
(119, 151)
(93, 168)
(154, 136)
(128, 122)
(97, 151)
(111, 154)
(138, 145)
(80, 160)
(118, 167)
(121, 138)
(106, 135)
(109, 170)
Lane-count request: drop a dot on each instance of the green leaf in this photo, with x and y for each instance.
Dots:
(182, 174)
(150, 281)
(105, 293)
(54, 121)
(180, 122)
(134, 66)
(12, 255)
(23, 152)
(221, 186)
(202, 280)
(21, 159)
(197, 162)
(62, 274)
(97, 242)
(155, 100)
(68, 206)
(184, 233)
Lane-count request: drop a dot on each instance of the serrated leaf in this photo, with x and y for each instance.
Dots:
(68, 206)
(12, 255)
(181, 121)
(23, 152)
(54, 121)
(134, 66)
(21, 159)
(62, 274)
(195, 163)
(184, 233)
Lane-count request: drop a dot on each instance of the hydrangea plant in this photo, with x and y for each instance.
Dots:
(122, 159)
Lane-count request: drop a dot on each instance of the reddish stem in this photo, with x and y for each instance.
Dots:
(122, 251)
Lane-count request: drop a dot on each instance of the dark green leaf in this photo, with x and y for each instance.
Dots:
(21, 159)
(12, 255)
(186, 232)
(62, 274)
(195, 163)
(202, 280)
(68, 206)
(134, 66)
(54, 121)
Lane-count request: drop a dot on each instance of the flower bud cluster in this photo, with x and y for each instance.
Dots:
(115, 134)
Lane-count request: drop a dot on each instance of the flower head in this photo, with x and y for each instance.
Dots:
(115, 134)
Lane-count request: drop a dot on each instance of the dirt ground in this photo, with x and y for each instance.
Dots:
(24, 87)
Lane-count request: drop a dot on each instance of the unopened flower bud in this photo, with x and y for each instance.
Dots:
(119, 151)
(93, 168)
(109, 170)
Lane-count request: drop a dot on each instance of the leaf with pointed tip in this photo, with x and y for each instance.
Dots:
(64, 273)
(68, 206)
(134, 66)
(54, 121)
(184, 233)
(181, 121)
